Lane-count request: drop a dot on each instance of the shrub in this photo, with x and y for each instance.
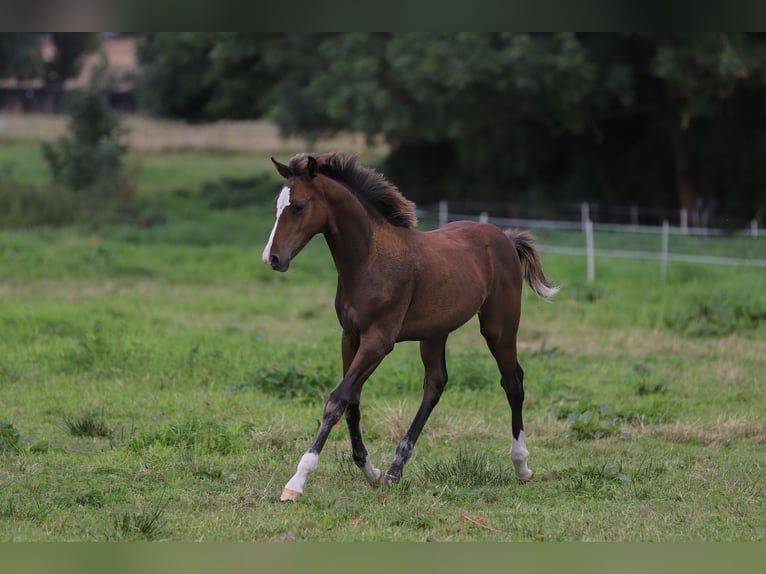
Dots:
(89, 159)
(87, 165)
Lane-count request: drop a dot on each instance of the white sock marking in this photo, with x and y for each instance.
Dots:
(519, 457)
(307, 465)
(371, 473)
(282, 201)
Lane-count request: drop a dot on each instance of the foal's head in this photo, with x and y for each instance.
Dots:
(300, 213)
(302, 209)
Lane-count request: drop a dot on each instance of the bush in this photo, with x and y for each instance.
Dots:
(22, 204)
(90, 158)
(88, 168)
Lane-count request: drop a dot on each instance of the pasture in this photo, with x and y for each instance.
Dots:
(158, 382)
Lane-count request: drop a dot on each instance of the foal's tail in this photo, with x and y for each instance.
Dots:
(530, 264)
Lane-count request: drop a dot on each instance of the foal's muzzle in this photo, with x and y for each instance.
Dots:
(278, 264)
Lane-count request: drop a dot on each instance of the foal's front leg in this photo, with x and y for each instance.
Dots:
(349, 347)
(358, 451)
(369, 355)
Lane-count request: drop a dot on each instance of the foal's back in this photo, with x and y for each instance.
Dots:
(456, 269)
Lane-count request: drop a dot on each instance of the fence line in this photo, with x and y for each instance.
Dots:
(652, 256)
(633, 212)
(752, 228)
(590, 252)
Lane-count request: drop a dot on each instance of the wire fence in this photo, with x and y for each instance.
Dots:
(577, 238)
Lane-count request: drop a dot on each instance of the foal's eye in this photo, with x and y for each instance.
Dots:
(298, 207)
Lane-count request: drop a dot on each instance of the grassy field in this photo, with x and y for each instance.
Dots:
(157, 382)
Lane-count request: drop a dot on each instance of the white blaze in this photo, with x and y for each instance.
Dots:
(282, 201)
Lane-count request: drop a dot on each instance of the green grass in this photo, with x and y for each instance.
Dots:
(158, 383)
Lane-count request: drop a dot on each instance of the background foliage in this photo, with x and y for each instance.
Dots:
(666, 120)
(662, 119)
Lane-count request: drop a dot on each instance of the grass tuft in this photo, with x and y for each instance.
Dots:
(12, 441)
(88, 424)
(146, 525)
(93, 497)
(192, 435)
(9, 438)
(468, 469)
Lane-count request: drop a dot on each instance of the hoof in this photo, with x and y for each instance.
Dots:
(289, 495)
(526, 479)
(390, 479)
(372, 475)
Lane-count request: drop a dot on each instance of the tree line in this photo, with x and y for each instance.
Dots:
(670, 120)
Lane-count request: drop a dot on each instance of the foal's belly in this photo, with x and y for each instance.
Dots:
(441, 306)
(439, 323)
(452, 282)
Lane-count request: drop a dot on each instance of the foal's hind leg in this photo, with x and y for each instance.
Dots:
(432, 353)
(501, 340)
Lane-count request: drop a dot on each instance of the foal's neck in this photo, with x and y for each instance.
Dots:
(349, 232)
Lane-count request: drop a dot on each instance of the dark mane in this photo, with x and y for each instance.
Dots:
(368, 185)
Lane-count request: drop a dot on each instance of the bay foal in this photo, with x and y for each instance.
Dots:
(397, 284)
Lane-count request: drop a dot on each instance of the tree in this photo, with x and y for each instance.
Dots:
(477, 100)
(668, 120)
(69, 51)
(706, 79)
(174, 81)
(20, 56)
(203, 76)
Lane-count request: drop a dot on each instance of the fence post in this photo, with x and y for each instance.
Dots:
(484, 217)
(754, 228)
(591, 251)
(443, 213)
(684, 220)
(585, 213)
(665, 243)
(634, 214)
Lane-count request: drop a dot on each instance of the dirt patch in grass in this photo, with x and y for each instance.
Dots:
(724, 430)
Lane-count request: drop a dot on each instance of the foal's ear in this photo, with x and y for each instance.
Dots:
(283, 170)
(311, 166)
